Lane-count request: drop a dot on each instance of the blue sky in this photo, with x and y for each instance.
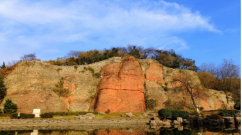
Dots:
(204, 30)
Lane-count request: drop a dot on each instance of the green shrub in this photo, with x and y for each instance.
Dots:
(213, 116)
(46, 115)
(98, 75)
(76, 67)
(151, 104)
(165, 113)
(183, 114)
(9, 107)
(194, 113)
(22, 116)
(228, 113)
(62, 92)
(91, 69)
(165, 88)
(202, 114)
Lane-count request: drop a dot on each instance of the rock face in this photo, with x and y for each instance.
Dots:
(122, 87)
(31, 85)
(155, 73)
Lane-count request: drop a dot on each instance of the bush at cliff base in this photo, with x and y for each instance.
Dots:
(9, 107)
(214, 116)
(227, 113)
(165, 113)
(183, 114)
(46, 115)
(22, 116)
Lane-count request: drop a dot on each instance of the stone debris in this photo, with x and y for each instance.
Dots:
(85, 117)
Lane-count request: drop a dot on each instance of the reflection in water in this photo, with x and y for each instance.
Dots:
(174, 131)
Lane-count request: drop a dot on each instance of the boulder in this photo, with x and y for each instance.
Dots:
(101, 113)
(228, 120)
(238, 120)
(90, 115)
(179, 120)
(186, 122)
(175, 122)
(129, 114)
(157, 118)
(238, 115)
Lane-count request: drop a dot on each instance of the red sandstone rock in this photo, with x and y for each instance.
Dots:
(121, 89)
(155, 72)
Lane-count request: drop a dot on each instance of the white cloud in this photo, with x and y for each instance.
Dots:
(38, 25)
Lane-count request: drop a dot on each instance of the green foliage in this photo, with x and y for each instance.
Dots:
(91, 69)
(213, 116)
(166, 57)
(202, 114)
(98, 75)
(108, 111)
(151, 104)
(165, 88)
(173, 106)
(46, 115)
(183, 114)
(60, 91)
(75, 66)
(3, 89)
(22, 116)
(3, 66)
(58, 69)
(9, 107)
(194, 113)
(229, 113)
(45, 132)
(165, 113)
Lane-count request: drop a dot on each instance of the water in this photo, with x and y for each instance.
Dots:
(124, 131)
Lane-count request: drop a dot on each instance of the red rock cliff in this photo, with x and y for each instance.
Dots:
(122, 87)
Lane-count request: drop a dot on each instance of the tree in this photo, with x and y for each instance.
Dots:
(3, 66)
(3, 89)
(73, 54)
(9, 107)
(187, 83)
(31, 56)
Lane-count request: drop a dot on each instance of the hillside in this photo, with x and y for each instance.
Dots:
(123, 86)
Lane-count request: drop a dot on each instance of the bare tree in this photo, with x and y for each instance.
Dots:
(31, 56)
(227, 69)
(188, 84)
(72, 54)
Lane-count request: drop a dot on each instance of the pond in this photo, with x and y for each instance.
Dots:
(146, 130)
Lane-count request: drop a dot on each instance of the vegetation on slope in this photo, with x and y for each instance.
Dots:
(166, 57)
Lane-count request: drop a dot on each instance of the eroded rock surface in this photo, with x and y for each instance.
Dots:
(121, 88)
(155, 73)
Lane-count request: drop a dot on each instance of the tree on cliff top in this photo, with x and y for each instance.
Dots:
(188, 84)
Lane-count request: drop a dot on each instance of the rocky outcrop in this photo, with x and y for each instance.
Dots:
(31, 86)
(122, 87)
(155, 73)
